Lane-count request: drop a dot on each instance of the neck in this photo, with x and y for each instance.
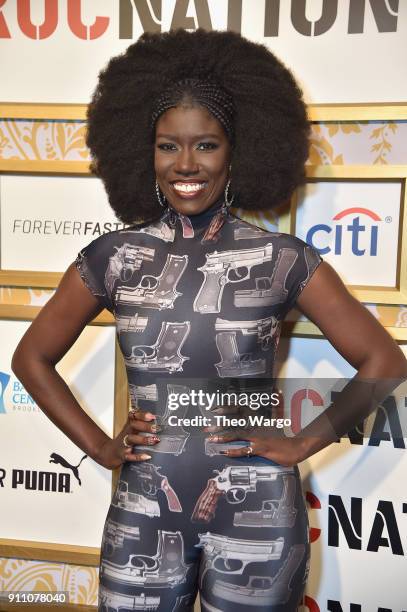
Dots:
(200, 220)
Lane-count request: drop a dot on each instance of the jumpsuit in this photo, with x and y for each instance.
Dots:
(199, 304)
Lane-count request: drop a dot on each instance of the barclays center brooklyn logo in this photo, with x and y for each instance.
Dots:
(4, 380)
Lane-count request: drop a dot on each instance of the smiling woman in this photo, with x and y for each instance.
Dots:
(192, 157)
(180, 125)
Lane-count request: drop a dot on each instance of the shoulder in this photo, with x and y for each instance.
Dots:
(244, 230)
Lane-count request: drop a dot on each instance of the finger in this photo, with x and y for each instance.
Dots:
(139, 425)
(227, 437)
(237, 452)
(140, 439)
(226, 409)
(141, 415)
(130, 456)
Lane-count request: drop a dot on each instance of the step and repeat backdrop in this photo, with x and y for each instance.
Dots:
(350, 60)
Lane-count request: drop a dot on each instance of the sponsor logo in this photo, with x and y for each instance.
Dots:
(43, 480)
(363, 232)
(64, 227)
(14, 397)
(186, 14)
(346, 527)
(386, 424)
(4, 380)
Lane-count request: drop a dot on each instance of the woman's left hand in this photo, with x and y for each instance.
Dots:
(284, 451)
(267, 442)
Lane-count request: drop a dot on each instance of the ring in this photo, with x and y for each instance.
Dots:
(125, 442)
(249, 450)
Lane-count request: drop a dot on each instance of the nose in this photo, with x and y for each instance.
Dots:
(186, 162)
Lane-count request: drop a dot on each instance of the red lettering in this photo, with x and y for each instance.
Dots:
(314, 504)
(81, 30)
(310, 604)
(296, 406)
(46, 28)
(4, 31)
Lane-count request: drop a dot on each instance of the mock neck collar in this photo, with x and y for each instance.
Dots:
(199, 221)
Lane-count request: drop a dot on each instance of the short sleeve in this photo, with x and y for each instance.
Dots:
(91, 263)
(306, 261)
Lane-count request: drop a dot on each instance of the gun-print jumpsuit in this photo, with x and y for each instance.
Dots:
(198, 306)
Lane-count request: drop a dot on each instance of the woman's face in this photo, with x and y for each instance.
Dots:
(192, 157)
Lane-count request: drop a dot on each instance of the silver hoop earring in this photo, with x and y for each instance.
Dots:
(228, 202)
(161, 200)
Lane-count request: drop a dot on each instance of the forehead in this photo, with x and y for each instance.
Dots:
(189, 120)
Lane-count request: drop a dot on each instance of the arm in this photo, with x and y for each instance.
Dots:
(363, 342)
(50, 336)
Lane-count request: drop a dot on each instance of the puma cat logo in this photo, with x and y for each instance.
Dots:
(55, 458)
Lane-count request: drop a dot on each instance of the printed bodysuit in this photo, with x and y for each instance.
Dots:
(198, 306)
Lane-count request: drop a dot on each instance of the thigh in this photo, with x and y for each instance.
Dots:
(147, 560)
(255, 553)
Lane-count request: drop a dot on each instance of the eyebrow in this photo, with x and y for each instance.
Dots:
(198, 137)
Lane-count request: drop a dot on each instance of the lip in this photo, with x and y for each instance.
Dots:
(192, 194)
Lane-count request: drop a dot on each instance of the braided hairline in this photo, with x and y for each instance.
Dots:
(204, 92)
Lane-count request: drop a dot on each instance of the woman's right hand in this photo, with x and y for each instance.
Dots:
(113, 453)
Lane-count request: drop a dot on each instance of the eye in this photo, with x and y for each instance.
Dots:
(167, 146)
(207, 146)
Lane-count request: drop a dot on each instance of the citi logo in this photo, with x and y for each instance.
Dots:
(363, 233)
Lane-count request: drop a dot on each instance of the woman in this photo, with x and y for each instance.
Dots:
(180, 126)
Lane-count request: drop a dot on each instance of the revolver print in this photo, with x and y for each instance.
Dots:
(125, 262)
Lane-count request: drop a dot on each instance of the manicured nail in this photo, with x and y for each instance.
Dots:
(155, 428)
(150, 416)
(144, 456)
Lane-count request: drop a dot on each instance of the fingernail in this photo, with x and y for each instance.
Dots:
(154, 439)
(155, 428)
(144, 456)
(214, 438)
(150, 416)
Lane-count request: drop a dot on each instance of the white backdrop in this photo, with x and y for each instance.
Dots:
(338, 53)
(28, 438)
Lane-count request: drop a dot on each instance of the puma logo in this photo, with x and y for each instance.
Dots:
(55, 458)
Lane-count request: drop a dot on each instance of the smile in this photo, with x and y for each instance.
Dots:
(188, 188)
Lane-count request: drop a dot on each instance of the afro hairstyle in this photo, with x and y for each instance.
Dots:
(271, 126)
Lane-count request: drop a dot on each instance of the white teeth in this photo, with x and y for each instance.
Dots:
(188, 187)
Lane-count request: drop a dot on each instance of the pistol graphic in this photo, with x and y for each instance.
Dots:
(135, 324)
(116, 602)
(222, 268)
(264, 329)
(173, 438)
(264, 590)
(234, 482)
(156, 292)
(247, 233)
(115, 534)
(143, 499)
(164, 354)
(231, 555)
(269, 290)
(274, 512)
(143, 392)
(125, 262)
(165, 569)
(161, 230)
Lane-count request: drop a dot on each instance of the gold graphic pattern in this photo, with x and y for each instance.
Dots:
(21, 575)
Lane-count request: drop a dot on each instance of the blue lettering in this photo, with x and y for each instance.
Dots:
(373, 241)
(355, 228)
(320, 227)
(17, 386)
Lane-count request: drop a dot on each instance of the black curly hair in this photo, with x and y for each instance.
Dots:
(271, 128)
